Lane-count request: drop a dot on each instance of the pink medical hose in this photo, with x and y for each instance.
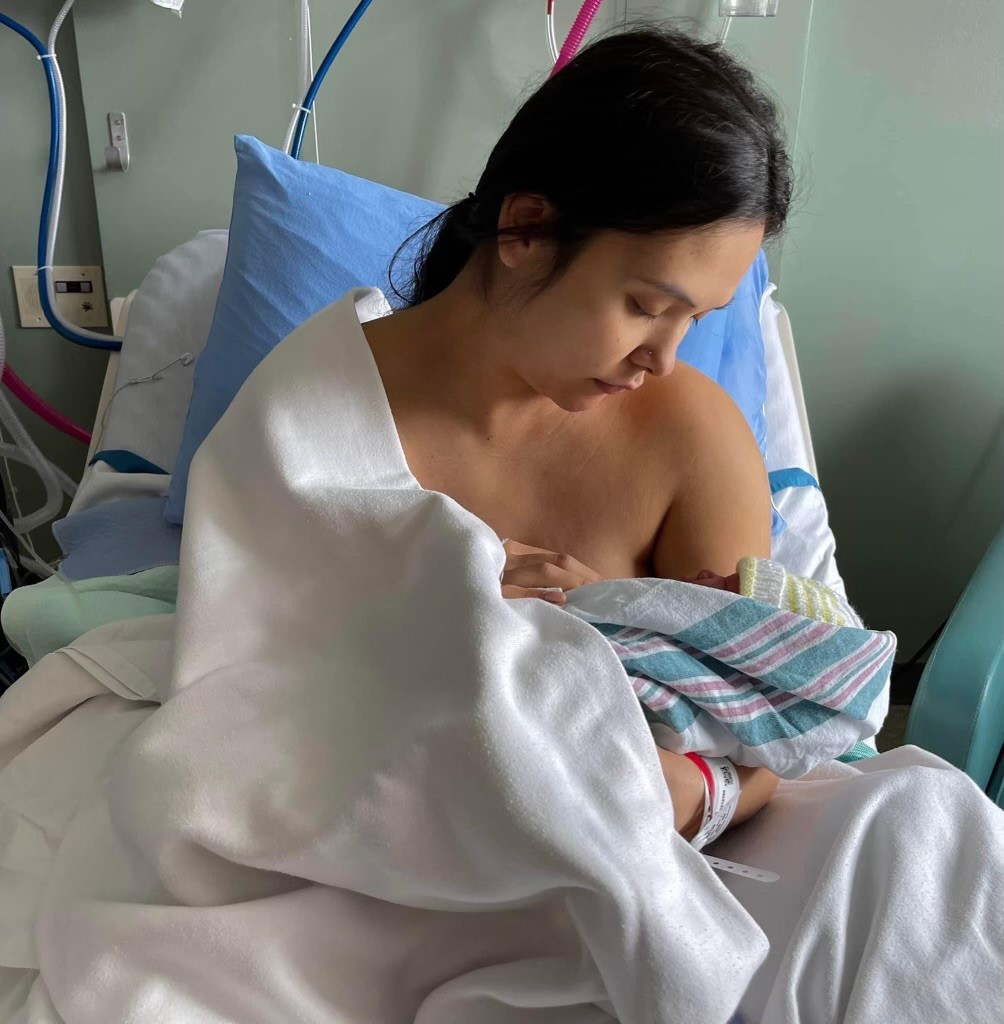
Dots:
(576, 33)
(40, 407)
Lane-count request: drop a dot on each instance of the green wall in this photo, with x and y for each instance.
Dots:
(421, 116)
(892, 273)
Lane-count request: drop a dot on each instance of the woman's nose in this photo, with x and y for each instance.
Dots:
(663, 360)
(658, 358)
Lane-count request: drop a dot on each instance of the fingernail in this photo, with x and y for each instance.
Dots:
(554, 596)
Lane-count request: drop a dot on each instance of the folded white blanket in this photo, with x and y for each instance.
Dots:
(376, 793)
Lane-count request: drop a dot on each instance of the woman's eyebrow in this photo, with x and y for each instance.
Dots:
(670, 289)
(674, 291)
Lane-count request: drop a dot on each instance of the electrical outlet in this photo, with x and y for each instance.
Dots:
(80, 295)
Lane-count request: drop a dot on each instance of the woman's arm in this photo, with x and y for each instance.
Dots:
(721, 512)
(686, 787)
(720, 509)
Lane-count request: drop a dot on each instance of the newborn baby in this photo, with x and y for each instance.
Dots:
(534, 572)
(769, 582)
(735, 685)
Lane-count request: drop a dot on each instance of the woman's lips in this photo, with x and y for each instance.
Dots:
(615, 389)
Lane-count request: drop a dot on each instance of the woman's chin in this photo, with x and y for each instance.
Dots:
(577, 400)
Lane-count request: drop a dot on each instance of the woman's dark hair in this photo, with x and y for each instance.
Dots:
(648, 130)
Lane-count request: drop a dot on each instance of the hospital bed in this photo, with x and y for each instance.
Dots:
(119, 308)
(959, 709)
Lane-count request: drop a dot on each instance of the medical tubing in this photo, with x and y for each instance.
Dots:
(552, 44)
(306, 54)
(17, 386)
(307, 80)
(306, 71)
(46, 289)
(31, 455)
(18, 454)
(28, 453)
(315, 85)
(78, 335)
(40, 407)
(577, 33)
(306, 77)
(65, 481)
(63, 14)
(40, 568)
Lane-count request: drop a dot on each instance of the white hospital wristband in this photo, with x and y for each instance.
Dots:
(721, 797)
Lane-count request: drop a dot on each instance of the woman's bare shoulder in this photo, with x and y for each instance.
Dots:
(719, 509)
(695, 416)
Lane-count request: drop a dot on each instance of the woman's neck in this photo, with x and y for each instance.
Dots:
(450, 354)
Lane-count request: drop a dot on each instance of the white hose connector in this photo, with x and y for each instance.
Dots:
(28, 453)
(306, 68)
(24, 450)
(552, 41)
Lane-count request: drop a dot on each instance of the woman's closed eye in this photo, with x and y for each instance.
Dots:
(639, 310)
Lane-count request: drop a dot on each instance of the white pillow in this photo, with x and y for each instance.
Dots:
(170, 316)
(806, 547)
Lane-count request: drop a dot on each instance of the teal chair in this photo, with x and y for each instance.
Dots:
(958, 712)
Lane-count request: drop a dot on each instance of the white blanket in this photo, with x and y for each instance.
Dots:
(375, 793)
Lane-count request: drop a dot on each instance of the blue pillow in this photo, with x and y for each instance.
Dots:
(301, 235)
(727, 346)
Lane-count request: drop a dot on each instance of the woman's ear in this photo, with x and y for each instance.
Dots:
(519, 216)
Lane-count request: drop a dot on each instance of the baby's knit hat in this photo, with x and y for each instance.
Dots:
(772, 584)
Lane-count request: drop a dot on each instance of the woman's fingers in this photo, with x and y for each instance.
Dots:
(554, 596)
(540, 574)
(547, 569)
(535, 572)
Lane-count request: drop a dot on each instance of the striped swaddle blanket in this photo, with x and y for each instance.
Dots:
(732, 676)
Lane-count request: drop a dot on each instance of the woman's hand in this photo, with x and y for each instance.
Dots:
(534, 572)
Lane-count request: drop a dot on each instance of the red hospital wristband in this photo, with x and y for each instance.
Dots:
(721, 797)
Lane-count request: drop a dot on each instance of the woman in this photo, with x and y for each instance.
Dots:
(533, 377)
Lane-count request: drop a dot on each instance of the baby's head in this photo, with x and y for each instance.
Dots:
(707, 578)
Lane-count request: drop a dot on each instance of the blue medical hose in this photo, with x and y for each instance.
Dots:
(50, 183)
(43, 231)
(315, 85)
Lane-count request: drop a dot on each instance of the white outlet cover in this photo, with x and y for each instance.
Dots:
(80, 294)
